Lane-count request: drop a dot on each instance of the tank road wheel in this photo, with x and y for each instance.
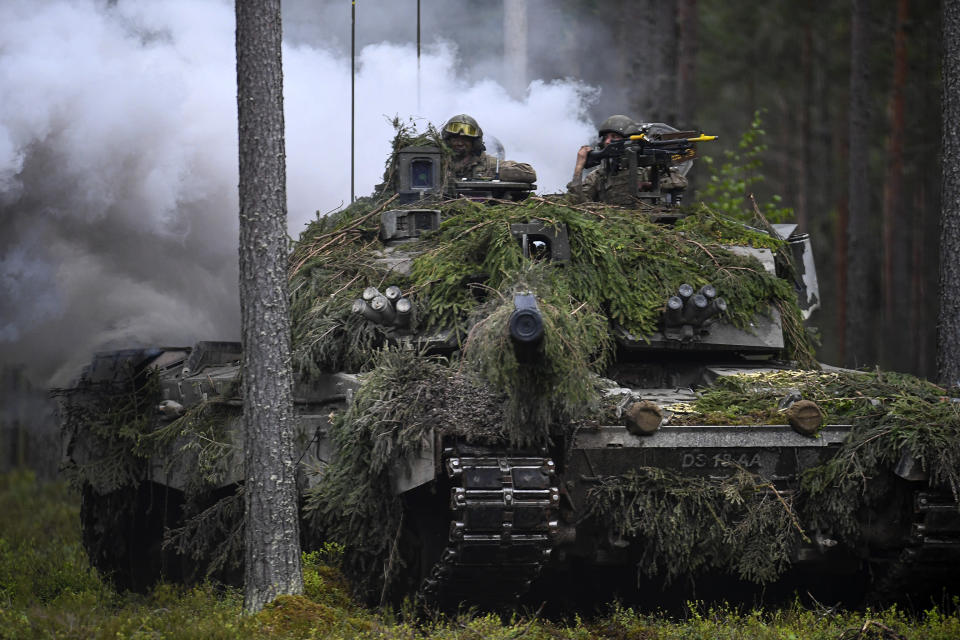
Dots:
(123, 534)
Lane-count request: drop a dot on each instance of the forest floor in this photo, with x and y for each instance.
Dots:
(49, 590)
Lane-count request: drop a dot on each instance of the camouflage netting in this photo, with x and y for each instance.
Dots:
(623, 267)
(117, 418)
(106, 420)
(740, 523)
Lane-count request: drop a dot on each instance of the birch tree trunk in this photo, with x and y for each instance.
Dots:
(948, 327)
(272, 529)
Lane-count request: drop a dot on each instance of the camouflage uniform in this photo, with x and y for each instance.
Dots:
(477, 165)
(484, 167)
(617, 188)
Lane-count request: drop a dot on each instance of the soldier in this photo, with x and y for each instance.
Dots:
(616, 187)
(465, 138)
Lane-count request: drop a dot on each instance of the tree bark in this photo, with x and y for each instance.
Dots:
(896, 232)
(948, 326)
(272, 529)
(651, 61)
(687, 21)
(860, 345)
(515, 46)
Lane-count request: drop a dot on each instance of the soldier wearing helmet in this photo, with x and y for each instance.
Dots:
(615, 187)
(465, 138)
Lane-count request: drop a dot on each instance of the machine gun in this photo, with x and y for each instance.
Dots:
(659, 151)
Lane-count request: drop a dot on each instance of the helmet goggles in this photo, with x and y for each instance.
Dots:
(461, 129)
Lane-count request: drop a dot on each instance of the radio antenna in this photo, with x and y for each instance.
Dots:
(418, 57)
(353, 76)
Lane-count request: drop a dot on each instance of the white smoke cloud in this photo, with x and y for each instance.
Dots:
(118, 162)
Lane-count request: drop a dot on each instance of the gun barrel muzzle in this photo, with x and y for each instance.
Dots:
(362, 307)
(382, 306)
(393, 293)
(526, 321)
(716, 307)
(673, 316)
(694, 311)
(526, 327)
(404, 309)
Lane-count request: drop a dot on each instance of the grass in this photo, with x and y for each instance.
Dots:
(49, 590)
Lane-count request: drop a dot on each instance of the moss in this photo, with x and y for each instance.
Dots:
(295, 615)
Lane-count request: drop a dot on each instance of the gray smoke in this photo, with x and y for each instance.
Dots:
(118, 156)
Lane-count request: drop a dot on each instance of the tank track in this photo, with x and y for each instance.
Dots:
(503, 522)
(932, 556)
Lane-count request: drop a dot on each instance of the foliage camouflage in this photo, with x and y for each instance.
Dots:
(687, 525)
(120, 415)
(739, 523)
(113, 415)
(623, 267)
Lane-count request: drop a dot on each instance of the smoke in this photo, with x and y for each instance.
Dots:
(118, 166)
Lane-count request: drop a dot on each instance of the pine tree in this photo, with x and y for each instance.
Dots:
(272, 531)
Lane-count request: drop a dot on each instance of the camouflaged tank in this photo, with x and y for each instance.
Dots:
(500, 393)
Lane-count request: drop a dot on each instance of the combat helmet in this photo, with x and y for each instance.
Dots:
(618, 124)
(462, 125)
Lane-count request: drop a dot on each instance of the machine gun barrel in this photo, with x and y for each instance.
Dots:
(657, 150)
(526, 327)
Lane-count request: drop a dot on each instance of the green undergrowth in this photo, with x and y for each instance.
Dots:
(48, 590)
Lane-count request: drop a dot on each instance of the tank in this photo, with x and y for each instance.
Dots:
(504, 397)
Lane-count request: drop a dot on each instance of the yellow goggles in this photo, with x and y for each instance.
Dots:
(461, 129)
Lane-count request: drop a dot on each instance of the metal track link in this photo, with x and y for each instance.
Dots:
(933, 554)
(502, 528)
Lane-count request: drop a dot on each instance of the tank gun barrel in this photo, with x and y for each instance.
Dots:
(526, 327)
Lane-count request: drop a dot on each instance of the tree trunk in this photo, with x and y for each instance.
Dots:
(272, 529)
(515, 46)
(917, 331)
(804, 158)
(896, 232)
(948, 327)
(860, 301)
(687, 20)
(651, 56)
